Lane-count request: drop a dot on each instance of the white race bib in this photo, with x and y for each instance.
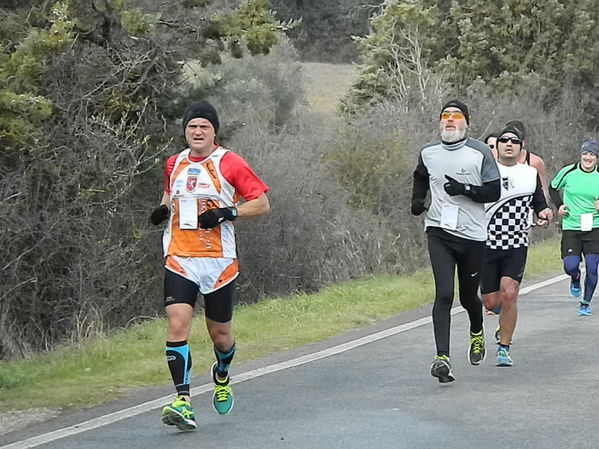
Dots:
(586, 222)
(188, 213)
(449, 216)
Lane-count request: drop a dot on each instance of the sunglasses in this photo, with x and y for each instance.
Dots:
(514, 140)
(455, 115)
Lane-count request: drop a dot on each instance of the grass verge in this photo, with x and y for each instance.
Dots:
(103, 369)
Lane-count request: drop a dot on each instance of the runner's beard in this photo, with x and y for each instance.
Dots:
(452, 136)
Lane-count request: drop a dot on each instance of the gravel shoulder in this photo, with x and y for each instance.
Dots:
(20, 419)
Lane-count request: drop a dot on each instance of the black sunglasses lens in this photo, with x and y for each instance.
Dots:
(514, 140)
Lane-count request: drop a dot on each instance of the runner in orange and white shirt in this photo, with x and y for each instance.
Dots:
(202, 188)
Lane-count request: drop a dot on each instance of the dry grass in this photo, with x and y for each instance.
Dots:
(326, 84)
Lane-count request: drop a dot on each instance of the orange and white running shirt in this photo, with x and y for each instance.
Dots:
(218, 180)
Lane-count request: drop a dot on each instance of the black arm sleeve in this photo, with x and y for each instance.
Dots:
(421, 185)
(538, 198)
(489, 192)
(555, 197)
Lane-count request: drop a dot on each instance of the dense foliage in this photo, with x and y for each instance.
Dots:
(418, 45)
(325, 29)
(89, 93)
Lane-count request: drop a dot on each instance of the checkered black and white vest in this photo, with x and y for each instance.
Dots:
(508, 219)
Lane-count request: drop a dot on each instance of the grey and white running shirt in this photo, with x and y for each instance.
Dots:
(470, 162)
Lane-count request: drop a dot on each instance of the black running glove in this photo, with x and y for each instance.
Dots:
(418, 206)
(159, 214)
(454, 187)
(213, 217)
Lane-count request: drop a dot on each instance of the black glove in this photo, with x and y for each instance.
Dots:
(454, 187)
(159, 214)
(213, 217)
(418, 206)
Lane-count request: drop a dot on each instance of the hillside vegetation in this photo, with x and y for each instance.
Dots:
(91, 95)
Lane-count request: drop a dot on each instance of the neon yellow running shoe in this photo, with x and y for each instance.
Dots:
(441, 369)
(476, 350)
(222, 398)
(179, 414)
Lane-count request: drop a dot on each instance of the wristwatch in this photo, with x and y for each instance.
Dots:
(467, 188)
(233, 213)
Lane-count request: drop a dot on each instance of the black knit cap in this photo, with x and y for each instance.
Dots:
(513, 130)
(518, 125)
(201, 109)
(461, 106)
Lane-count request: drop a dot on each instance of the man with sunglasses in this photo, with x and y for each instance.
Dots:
(526, 157)
(507, 242)
(461, 175)
(531, 159)
(578, 206)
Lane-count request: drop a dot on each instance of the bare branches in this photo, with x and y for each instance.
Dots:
(410, 77)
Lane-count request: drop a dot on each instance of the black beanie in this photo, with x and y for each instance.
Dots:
(461, 106)
(518, 125)
(513, 130)
(201, 109)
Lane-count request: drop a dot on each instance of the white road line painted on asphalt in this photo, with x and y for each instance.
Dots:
(157, 403)
(525, 290)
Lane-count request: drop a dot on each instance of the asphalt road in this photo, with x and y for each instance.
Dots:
(362, 391)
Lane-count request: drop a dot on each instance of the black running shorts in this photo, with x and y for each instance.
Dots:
(576, 243)
(502, 263)
(218, 305)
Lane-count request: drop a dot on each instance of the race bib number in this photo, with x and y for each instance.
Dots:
(188, 213)
(449, 216)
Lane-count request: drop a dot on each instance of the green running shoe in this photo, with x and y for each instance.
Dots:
(476, 351)
(179, 414)
(441, 369)
(222, 398)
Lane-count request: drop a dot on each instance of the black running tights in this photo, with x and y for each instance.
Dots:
(446, 251)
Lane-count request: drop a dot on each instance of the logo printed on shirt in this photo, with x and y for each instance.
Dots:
(194, 171)
(191, 183)
(507, 183)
